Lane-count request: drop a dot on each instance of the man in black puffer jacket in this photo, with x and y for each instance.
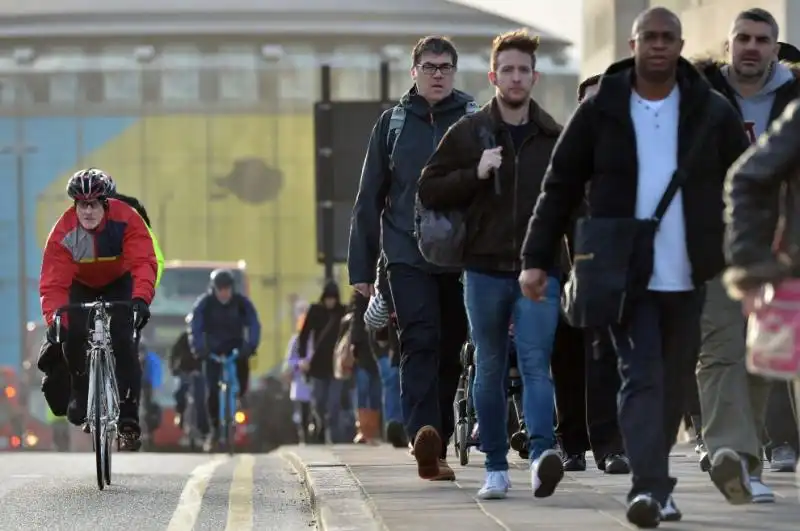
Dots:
(628, 141)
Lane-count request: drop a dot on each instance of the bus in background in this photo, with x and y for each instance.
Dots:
(182, 282)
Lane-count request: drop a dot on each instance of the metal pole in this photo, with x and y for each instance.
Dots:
(22, 262)
(19, 150)
(275, 70)
(327, 203)
(385, 77)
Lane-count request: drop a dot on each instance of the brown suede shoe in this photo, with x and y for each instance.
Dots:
(427, 449)
(445, 472)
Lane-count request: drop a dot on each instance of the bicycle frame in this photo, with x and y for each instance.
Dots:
(102, 411)
(228, 391)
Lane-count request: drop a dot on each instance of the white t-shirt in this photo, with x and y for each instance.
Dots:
(656, 127)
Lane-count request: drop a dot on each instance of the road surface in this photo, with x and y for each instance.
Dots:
(152, 491)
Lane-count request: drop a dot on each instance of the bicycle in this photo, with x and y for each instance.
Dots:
(228, 391)
(102, 411)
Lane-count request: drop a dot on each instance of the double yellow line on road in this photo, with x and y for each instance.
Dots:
(240, 495)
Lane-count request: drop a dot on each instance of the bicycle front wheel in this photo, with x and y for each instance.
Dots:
(98, 433)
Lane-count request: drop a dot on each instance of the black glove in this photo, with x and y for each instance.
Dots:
(246, 352)
(142, 312)
(52, 335)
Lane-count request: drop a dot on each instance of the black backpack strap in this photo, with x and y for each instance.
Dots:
(681, 174)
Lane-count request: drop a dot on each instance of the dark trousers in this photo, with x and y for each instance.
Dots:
(781, 419)
(433, 327)
(327, 409)
(657, 354)
(586, 386)
(302, 419)
(193, 382)
(128, 368)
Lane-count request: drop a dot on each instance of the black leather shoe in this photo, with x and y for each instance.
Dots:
(574, 463)
(617, 464)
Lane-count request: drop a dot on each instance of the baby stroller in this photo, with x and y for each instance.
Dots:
(465, 436)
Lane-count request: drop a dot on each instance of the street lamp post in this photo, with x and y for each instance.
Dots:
(19, 149)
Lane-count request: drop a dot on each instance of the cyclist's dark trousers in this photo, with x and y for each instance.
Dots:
(129, 371)
(193, 382)
(213, 372)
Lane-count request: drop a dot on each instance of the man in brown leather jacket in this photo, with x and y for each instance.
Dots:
(490, 166)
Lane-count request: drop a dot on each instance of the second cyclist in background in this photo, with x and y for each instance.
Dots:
(99, 247)
(223, 320)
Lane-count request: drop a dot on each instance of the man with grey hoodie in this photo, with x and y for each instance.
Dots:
(734, 402)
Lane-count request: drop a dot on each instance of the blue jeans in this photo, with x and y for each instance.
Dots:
(390, 380)
(492, 302)
(367, 390)
(327, 406)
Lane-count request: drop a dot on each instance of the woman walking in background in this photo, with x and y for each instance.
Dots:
(323, 320)
(300, 390)
(367, 389)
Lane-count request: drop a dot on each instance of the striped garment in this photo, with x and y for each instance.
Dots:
(377, 314)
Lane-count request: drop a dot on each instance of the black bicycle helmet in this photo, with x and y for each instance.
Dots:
(222, 278)
(88, 185)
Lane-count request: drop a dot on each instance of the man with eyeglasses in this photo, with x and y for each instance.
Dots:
(428, 300)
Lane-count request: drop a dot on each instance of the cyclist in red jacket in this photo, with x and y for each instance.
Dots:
(100, 247)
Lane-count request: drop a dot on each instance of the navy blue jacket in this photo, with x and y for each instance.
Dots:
(384, 206)
(219, 328)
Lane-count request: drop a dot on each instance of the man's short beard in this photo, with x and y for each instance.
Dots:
(514, 104)
(750, 77)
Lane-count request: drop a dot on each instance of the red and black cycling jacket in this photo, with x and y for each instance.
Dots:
(120, 244)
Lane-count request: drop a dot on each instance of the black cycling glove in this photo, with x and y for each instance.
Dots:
(142, 312)
(52, 332)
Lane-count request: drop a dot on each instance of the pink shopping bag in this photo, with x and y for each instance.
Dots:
(773, 332)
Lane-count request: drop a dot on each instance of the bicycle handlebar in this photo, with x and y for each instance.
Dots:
(88, 306)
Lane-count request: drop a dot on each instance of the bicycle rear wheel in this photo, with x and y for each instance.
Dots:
(98, 433)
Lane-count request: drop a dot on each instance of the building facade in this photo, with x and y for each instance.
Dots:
(706, 23)
(177, 105)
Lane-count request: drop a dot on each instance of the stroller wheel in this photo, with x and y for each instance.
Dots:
(463, 443)
(519, 441)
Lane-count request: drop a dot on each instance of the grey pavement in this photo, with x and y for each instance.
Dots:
(376, 488)
(152, 491)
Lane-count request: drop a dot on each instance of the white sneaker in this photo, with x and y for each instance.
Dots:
(546, 473)
(496, 485)
(761, 493)
(670, 512)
